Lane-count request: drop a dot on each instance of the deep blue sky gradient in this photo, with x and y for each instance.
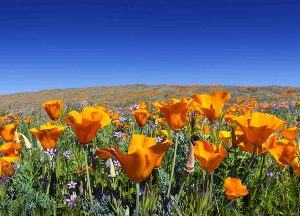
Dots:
(81, 43)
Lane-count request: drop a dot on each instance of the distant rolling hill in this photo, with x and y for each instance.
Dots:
(117, 95)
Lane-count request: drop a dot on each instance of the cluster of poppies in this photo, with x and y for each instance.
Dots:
(10, 149)
(254, 132)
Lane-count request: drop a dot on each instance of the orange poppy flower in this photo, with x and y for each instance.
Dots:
(290, 133)
(104, 109)
(10, 116)
(17, 120)
(10, 148)
(87, 123)
(7, 132)
(165, 141)
(27, 120)
(283, 151)
(2, 120)
(232, 138)
(48, 135)
(8, 168)
(143, 155)
(160, 121)
(296, 166)
(257, 126)
(175, 113)
(209, 155)
(141, 116)
(211, 105)
(53, 108)
(142, 105)
(5, 165)
(225, 136)
(234, 188)
(229, 119)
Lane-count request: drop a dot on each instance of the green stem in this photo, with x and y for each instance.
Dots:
(137, 201)
(48, 186)
(173, 165)
(234, 159)
(88, 183)
(262, 167)
(250, 164)
(260, 174)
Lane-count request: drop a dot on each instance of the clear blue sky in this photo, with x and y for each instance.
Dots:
(80, 43)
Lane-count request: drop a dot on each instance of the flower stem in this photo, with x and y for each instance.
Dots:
(250, 164)
(262, 167)
(260, 174)
(173, 165)
(137, 201)
(88, 183)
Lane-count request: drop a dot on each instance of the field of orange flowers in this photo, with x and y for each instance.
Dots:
(151, 150)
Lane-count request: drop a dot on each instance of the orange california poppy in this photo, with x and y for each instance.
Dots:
(232, 138)
(141, 116)
(6, 166)
(175, 113)
(143, 155)
(27, 120)
(257, 126)
(209, 155)
(53, 108)
(7, 132)
(234, 188)
(226, 137)
(2, 120)
(165, 141)
(87, 123)
(296, 166)
(10, 148)
(17, 120)
(229, 119)
(160, 121)
(10, 117)
(48, 135)
(283, 151)
(290, 133)
(211, 105)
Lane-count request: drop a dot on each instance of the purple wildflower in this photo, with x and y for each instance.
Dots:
(158, 139)
(134, 107)
(118, 134)
(72, 185)
(67, 153)
(181, 138)
(115, 162)
(4, 179)
(270, 173)
(122, 119)
(72, 200)
(50, 152)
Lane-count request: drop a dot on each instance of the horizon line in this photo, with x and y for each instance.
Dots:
(139, 84)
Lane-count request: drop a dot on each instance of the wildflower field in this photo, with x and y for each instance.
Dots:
(151, 150)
